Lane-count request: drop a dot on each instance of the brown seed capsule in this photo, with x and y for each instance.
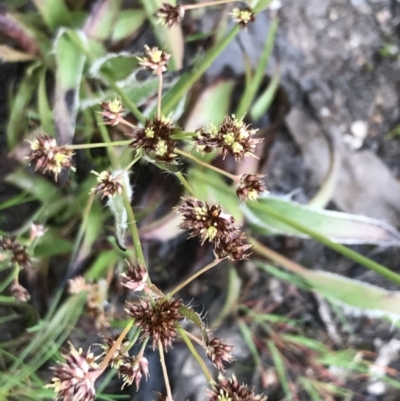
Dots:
(250, 186)
(232, 246)
(18, 251)
(135, 277)
(243, 16)
(230, 389)
(112, 111)
(108, 185)
(170, 15)
(158, 320)
(218, 352)
(133, 369)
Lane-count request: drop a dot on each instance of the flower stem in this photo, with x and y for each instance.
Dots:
(160, 84)
(112, 350)
(128, 167)
(193, 351)
(191, 278)
(133, 229)
(164, 369)
(206, 4)
(98, 145)
(207, 165)
(184, 182)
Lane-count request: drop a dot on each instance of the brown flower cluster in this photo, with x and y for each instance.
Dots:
(158, 320)
(108, 185)
(170, 15)
(230, 389)
(133, 369)
(154, 59)
(243, 16)
(155, 138)
(74, 379)
(19, 292)
(250, 186)
(210, 224)
(218, 352)
(233, 136)
(120, 354)
(135, 278)
(47, 156)
(112, 111)
(18, 251)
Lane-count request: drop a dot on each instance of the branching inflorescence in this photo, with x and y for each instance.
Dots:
(157, 317)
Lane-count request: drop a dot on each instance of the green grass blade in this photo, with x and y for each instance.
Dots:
(251, 90)
(54, 12)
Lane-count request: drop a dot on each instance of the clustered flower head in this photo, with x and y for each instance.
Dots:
(135, 277)
(112, 111)
(108, 185)
(209, 223)
(250, 186)
(158, 320)
(233, 136)
(155, 138)
(133, 369)
(47, 156)
(243, 16)
(218, 352)
(231, 390)
(74, 379)
(154, 59)
(18, 251)
(170, 15)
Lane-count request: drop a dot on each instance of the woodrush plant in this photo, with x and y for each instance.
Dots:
(156, 315)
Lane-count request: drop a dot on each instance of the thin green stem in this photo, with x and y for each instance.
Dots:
(128, 167)
(134, 339)
(99, 145)
(344, 250)
(133, 229)
(206, 4)
(159, 96)
(164, 369)
(204, 164)
(193, 351)
(184, 182)
(127, 101)
(143, 347)
(106, 138)
(191, 278)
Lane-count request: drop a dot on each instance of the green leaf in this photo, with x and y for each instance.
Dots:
(339, 227)
(17, 124)
(128, 23)
(255, 82)
(262, 104)
(51, 244)
(101, 22)
(357, 297)
(54, 12)
(70, 60)
(189, 313)
(45, 113)
(187, 80)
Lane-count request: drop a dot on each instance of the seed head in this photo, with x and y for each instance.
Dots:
(112, 111)
(158, 320)
(133, 369)
(250, 186)
(233, 136)
(107, 184)
(74, 379)
(232, 246)
(218, 352)
(19, 292)
(170, 15)
(243, 16)
(18, 251)
(135, 277)
(231, 390)
(155, 138)
(208, 223)
(37, 231)
(47, 156)
(154, 59)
